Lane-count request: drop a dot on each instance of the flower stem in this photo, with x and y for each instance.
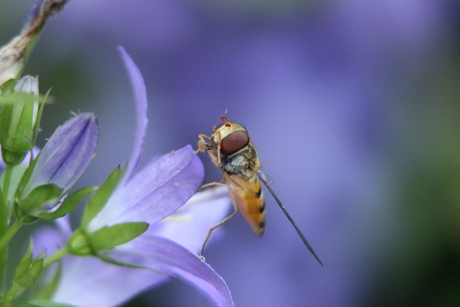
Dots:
(55, 257)
(6, 184)
(4, 220)
(16, 289)
(10, 295)
(9, 234)
(3, 231)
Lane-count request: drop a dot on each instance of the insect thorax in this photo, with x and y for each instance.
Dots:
(241, 163)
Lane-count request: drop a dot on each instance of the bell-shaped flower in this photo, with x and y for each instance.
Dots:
(154, 196)
(60, 163)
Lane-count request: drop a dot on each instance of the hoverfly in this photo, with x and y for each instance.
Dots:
(231, 150)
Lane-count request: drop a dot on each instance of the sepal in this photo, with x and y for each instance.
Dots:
(100, 198)
(67, 206)
(82, 243)
(29, 268)
(109, 237)
(43, 197)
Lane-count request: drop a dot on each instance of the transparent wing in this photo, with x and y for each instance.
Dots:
(267, 180)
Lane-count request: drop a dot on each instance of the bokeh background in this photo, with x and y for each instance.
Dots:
(354, 107)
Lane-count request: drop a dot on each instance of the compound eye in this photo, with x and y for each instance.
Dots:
(233, 142)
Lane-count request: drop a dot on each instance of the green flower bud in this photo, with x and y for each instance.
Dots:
(79, 245)
(29, 268)
(19, 123)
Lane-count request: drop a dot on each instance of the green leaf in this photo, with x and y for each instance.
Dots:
(45, 303)
(26, 177)
(108, 237)
(67, 206)
(18, 172)
(101, 197)
(15, 97)
(47, 194)
(39, 116)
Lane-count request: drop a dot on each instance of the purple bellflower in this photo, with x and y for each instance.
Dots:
(153, 195)
(66, 154)
(58, 166)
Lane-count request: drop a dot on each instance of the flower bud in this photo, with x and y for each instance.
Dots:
(64, 157)
(19, 122)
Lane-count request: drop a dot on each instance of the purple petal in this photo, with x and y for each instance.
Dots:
(79, 285)
(168, 256)
(189, 225)
(67, 153)
(111, 286)
(27, 84)
(140, 94)
(156, 192)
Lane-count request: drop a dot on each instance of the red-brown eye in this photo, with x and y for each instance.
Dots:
(233, 142)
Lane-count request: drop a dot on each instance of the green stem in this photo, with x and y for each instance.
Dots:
(9, 234)
(4, 221)
(55, 257)
(16, 289)
(11, 294)
(6, 184)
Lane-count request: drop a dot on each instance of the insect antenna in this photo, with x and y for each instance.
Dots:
(289, 217)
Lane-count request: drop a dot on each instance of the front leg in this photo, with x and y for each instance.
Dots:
(202, 145)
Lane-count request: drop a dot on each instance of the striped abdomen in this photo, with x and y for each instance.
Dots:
(250, 202)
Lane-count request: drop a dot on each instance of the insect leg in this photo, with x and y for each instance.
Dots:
(213, 183)
(227, 178)
(235, 210)
(202, 143)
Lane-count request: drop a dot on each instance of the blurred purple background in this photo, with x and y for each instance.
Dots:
(353, 105)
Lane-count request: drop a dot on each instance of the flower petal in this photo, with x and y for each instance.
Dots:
(154, 193)
(169, 257)
(111, 286)
(189, 225)
(140, 94)
(108, 289)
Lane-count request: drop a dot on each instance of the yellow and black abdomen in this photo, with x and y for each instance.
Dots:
(250, 202)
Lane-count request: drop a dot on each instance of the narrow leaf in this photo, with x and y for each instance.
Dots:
(100, 198)
(12, 98)
(26, 177)
(68, 204)
(108, 237)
